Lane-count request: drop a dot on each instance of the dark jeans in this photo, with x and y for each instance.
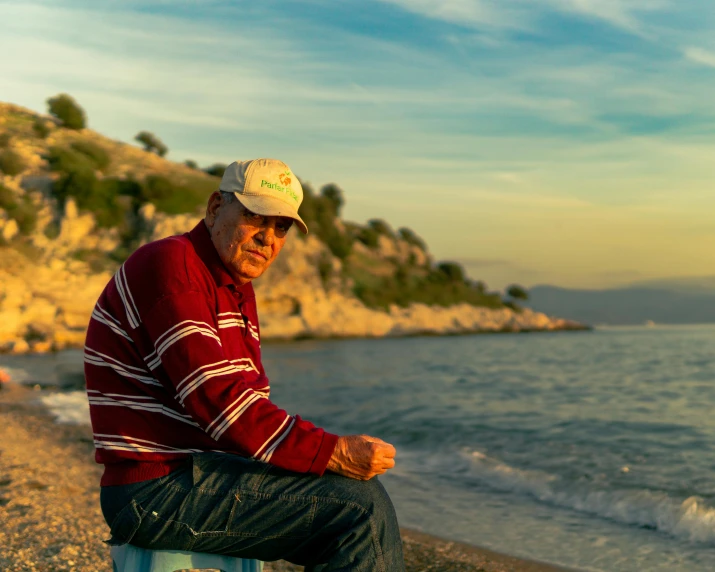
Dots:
(230, 505)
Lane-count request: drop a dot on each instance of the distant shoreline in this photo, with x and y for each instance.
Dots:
(77, 342)
(308, 337)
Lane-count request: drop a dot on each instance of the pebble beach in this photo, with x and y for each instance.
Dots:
(49, 503)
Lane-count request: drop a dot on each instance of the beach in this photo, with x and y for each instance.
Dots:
(49, 503)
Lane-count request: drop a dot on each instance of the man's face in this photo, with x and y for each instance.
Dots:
(247, 243)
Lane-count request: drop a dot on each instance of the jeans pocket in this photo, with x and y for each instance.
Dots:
(263, 515)
(125, 525)
(163, 532)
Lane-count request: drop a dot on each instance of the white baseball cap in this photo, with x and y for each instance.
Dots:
(266, 187)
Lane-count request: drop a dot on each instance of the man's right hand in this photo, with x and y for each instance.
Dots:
(361, 457)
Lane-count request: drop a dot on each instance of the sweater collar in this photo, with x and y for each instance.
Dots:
(204, 247)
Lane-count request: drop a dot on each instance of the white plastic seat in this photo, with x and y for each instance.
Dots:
(128, 558)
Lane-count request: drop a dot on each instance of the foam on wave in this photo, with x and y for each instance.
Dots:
(71, 407)
(689, 519)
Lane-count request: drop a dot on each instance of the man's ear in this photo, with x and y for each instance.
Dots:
(212, 207)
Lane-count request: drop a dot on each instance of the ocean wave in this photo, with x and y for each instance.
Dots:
(71, 407)
(690, 519)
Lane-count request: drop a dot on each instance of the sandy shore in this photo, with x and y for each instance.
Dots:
(49, 504)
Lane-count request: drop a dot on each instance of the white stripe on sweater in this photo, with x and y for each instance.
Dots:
(108, 315)
(118, 281)
(127, 443)
(205, 376)
(153, 360)
(245, 393)
(268, 454)
(260, 449)
(139, 403)
(244, 360)
(129, 294)
(112, 326)
(229, 415)
(172, 328)
(231, 419)
(139, 448)
(101, 360)
(110, 358)
(230, 323)
(187, 331)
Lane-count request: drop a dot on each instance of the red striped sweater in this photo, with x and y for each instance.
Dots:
(173, 366)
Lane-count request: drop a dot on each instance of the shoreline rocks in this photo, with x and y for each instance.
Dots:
(46, 307)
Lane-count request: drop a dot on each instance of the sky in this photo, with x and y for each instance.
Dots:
(568, 142)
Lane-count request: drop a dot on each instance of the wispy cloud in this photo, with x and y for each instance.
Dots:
(518, 15)
(700, 56)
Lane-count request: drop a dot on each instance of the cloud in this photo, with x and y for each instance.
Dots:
(700, 56)
(468, 12)
(518, 15)
(618, 13)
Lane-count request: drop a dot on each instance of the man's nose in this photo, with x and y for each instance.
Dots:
(267, 234)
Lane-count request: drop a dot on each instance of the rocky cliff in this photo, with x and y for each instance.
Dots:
(55, 259)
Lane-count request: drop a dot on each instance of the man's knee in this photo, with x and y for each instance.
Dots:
(369, 497)
(377, 498)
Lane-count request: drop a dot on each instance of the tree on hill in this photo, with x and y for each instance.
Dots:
(409, 236)
(517, 292)
(452, 271)
(334, 196)
(151, 143)
(66, 109)
(380, 227)
(216, 170)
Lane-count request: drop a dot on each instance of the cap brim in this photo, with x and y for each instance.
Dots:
(268, 206)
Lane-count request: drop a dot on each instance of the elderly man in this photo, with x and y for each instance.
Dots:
(196, 457)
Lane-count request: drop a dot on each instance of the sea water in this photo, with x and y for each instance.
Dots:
(594, 450)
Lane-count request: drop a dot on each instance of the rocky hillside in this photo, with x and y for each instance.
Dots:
(75, 204)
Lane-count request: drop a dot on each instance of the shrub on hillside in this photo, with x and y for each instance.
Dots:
(22, 210)
(25, 214)
(68, 160)
(191, 164)
(93, 152)
(157, 188)
(100, 197)
(333, 196)
(369, 237)
(78, 184)
(106, 204)
(380, 227)
(40, 127)
(66, 109)
(11, 163)
(123, 187)
(404, 288)
(52, 230)
(151, 143)
(7, 198)
(176, 197)
(321, 214)
(517, 292)
(451, 272)
(409, 236)
(216, 170)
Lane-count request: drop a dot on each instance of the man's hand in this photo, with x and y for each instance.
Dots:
(361, 457)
